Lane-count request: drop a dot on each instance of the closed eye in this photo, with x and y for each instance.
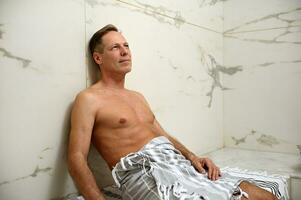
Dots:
(115, 46)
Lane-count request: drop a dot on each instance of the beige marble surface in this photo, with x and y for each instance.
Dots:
(285, 164)
(42, 67)
(281, 163)
(262, 106)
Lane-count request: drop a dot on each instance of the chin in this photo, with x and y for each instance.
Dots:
(128, 70)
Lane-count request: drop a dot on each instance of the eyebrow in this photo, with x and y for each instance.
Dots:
(125, 43)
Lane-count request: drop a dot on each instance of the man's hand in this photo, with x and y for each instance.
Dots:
(203, 164)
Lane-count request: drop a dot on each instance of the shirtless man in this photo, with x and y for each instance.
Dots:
(119, 121)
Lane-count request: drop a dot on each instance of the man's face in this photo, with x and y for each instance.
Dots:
(116, 56)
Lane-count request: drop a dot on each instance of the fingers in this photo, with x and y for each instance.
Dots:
(213, 171)
(210, 172)
(210, 167)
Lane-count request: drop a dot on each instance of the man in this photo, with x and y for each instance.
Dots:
(147, 162)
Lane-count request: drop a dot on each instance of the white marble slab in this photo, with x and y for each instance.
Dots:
(207, 15)
(281, 163)
(260, 15)
(285, 164)
(42, 68)
(261, 106)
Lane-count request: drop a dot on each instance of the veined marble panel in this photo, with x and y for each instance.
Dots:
(42, 68)
(262, 109)
(177, 69)
(260, 15)
(206, 14)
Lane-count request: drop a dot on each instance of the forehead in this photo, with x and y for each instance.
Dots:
(113, 37)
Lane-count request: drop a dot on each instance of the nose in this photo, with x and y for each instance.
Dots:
(124, 51)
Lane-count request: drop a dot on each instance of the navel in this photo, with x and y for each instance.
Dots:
(122, 120)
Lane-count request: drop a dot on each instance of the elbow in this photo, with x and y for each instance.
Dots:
(71, 162)
(75, 162)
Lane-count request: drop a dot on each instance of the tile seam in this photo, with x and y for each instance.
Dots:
(170, 17)
(259, 30)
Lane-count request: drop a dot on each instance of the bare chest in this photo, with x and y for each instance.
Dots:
(117, 111)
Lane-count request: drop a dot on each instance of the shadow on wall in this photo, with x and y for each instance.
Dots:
(96, 163)
(99, 168)
(93, 70)
(59, 184)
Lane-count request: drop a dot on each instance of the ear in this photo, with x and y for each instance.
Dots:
(97, 57)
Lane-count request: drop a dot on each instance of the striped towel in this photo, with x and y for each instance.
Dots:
(159, 171)
(274, 183)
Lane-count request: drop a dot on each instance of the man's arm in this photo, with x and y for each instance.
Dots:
(82, 121)
(199, 163)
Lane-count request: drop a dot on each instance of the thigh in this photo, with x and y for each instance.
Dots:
(140, 188)
(255, 193)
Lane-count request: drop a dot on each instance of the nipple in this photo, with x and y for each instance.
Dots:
(122, 120)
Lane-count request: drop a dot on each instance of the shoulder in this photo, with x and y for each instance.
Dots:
(138, 94)
(85, 96)
(87, 99)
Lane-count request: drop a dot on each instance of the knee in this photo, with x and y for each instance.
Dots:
(245, 185)
(256, 192)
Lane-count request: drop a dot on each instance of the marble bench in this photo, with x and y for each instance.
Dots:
(274, 163)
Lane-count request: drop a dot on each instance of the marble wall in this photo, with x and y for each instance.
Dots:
(175, 64)
(42, 67)
(262, 108)
(177, 51)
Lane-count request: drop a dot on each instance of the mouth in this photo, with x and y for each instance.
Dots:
(125, 61)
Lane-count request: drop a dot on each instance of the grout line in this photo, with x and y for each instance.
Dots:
(167, 16)
(258, 30)
(211, 151)
(222, 77)
(86, 63)
(202, 27)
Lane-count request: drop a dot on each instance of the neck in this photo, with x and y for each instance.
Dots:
(115, 82)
